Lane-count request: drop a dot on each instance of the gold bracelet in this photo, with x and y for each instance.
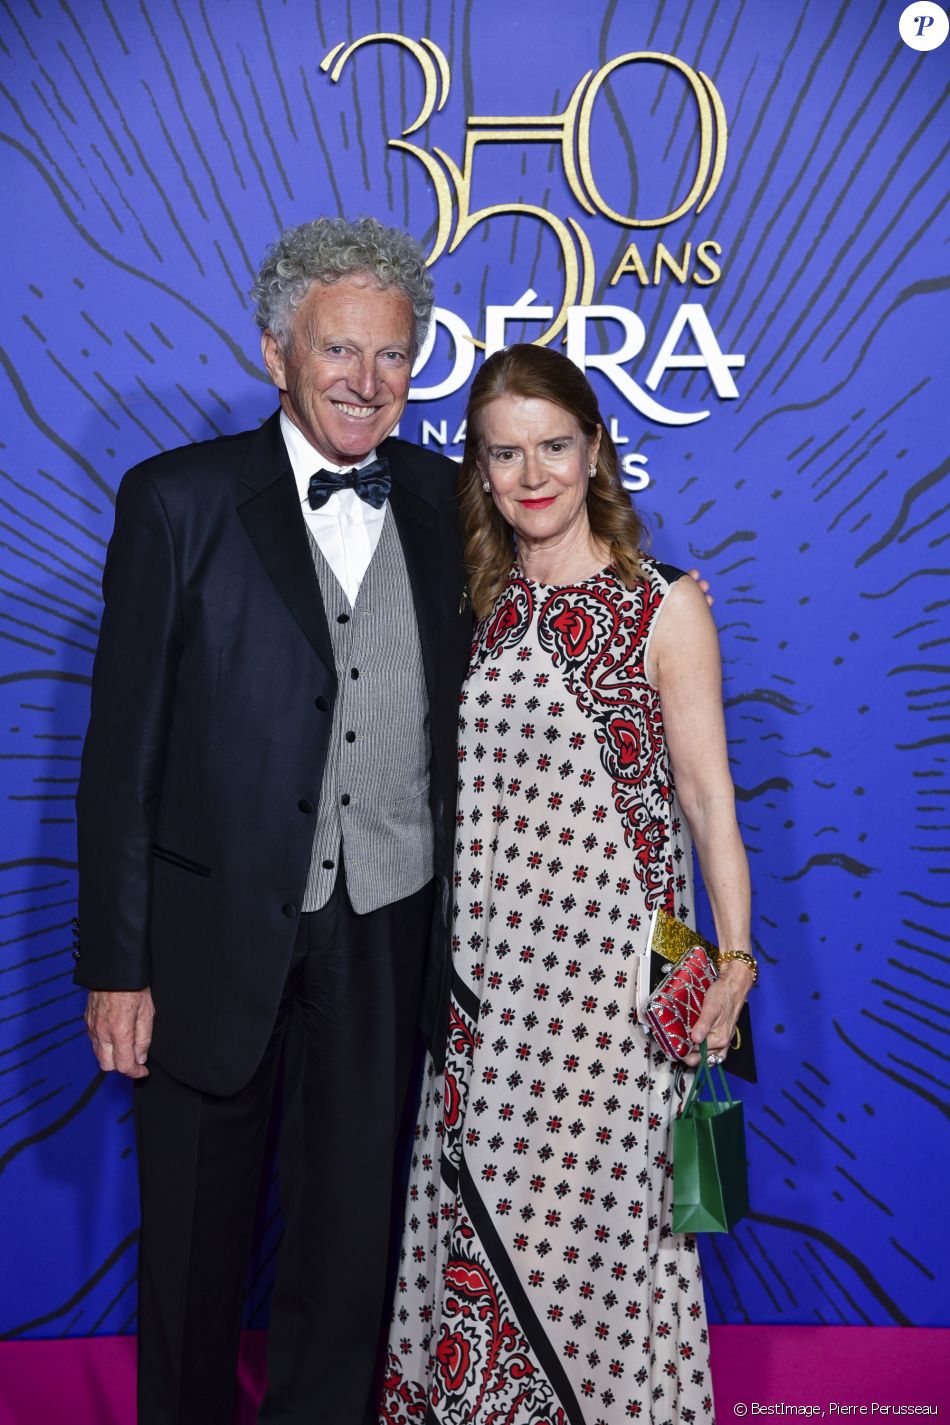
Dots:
(746, 959)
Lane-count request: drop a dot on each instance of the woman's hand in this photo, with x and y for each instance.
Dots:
(717, 1020)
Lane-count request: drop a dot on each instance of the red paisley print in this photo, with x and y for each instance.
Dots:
(574, 627)
(508, 619)
(468, 1279)
(607, 677)
(453, 1354)
(452, 1100)
(502, 622)
(626, 738)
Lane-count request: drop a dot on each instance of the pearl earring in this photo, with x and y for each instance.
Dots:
(592, 472)
(485, 486)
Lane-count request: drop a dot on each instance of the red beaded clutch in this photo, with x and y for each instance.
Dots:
(675, 1004)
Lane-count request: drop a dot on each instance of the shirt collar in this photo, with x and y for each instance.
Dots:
(305, 458)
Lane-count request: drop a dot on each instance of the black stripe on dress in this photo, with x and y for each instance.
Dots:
(467, 1002)
(511, 1285)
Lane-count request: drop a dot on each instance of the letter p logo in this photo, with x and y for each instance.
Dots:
(924, 25)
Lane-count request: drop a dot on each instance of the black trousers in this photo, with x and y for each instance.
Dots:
(345, 1035)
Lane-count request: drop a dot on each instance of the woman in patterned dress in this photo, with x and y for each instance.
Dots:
(540, 1282)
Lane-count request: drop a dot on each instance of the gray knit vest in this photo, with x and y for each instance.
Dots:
(374, 800)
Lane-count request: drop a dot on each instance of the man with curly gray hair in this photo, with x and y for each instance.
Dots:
(329, 249)
(266, 827)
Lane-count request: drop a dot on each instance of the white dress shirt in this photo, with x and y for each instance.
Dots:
(346, 528)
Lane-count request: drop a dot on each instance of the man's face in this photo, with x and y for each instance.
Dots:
(345, 378)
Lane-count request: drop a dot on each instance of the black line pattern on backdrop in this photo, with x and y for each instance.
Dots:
(234, 347)
(25, 1328)
(165, 145)
(807, 307)
(805, 207)
(883, 236)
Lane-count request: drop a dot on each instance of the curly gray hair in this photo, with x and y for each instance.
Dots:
(330, 249)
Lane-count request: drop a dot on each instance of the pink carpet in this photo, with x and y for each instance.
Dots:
(758, 1371)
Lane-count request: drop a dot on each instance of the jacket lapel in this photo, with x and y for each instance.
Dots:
(270, 512)
(418, 524)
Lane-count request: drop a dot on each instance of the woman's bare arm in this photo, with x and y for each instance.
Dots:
(686, 668)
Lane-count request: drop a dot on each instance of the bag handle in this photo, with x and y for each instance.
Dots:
(704, 1075)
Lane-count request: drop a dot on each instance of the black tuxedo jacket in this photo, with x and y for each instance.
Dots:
(212, 699)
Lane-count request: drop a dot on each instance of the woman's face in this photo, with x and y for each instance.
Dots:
(536, 459)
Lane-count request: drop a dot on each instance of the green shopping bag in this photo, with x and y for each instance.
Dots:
(710, 1181)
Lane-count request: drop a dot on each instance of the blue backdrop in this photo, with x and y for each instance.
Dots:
(152, 151)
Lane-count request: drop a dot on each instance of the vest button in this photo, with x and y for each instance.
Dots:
(345, 799)
(322, 703)
(289, 909)
(342, 618)
(305, 805)
(354, 673)
(328, 865)
(351, 737)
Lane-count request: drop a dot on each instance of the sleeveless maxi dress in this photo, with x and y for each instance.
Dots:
(539, 1281)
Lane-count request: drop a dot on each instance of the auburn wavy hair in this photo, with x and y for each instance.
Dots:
(536, 371)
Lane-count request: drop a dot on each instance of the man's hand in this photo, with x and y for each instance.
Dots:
(695, 575)
(120, 1027)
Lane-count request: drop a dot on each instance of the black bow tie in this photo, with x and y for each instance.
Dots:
(371, 483)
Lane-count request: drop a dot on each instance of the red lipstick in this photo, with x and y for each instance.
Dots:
(539, 504)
